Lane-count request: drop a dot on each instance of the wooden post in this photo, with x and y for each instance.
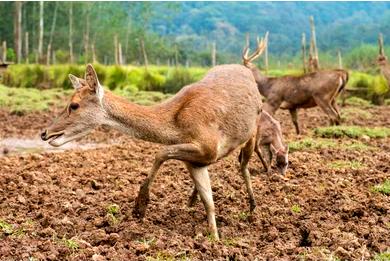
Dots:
(266, 53)
(142, 45)
(4, 51)
(340, 59)
(26, 50)
(214, 54)
(304, 52)
(71, 33)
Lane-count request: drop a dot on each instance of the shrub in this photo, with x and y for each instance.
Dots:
(356, 101)
(116, 77)
(177, 78)
(352, 132)
(379, 85)
(151, 81)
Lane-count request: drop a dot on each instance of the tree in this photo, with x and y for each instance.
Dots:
(40, 41)
(18, 31)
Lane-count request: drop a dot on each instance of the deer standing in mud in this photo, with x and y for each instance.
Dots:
(291, 93)
(201, 124)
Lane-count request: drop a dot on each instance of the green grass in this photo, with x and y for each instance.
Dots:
(6, 227)
(359, 102)
(25, 100)
(383, 188)
(309, 144)
(385, 256)
(344, 164)
(71, 244)
(352, 132)
(349, 113)
(296, 208)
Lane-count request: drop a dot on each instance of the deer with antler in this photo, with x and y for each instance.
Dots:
(203, 123)
(319, 88)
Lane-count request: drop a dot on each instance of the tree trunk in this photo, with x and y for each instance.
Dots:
(94, 60)
(214, 54)
(71, 32)
(116, 49)
(18, 31)
(266, 53)
(4, 51)
(176, 56)
(144, 54)
(120, 58)
(53, 26)
(40, 39)
(316, 62)
(304, 53)
(340, 59)
(26, 50)
(86, 37)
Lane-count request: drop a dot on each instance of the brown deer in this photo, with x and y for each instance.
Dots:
(269, 139)
(291, 93)
(201, 124)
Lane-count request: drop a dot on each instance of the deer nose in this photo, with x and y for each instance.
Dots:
(43, 135)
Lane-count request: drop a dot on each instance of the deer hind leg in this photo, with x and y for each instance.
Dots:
(246, 154)
(193, 198)
(184, 152)
(336, 107)
(201, 179)
(329, 110)
(294, 118)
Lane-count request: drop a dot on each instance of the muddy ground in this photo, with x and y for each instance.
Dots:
(77, 204)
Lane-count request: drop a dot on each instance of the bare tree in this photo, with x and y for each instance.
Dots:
(86, 34)
(314, 64)
(4, 51)
(71, 32)
(304, 52)
(40, 39)
(213, 54)
(18, 31)
(116, 49)
(26, 49)
(266, 53)
(53, 26)
(340, 59)
(142, 45)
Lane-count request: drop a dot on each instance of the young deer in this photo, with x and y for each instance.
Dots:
(294, 92)
(269, 139)
(200, 125)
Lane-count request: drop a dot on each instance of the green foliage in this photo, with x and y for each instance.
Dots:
(11, 56)
(113, 209)
(114, 77)
(343, 164)
(383, 188)
(296, 209)
(71, 244)
(310, 144)
(379, 85)
(359, 102)
(352, 132)
(5, 227)
(361, 57)
(178, 78)
(385, 256)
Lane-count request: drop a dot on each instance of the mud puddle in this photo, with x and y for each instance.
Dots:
(14, 146)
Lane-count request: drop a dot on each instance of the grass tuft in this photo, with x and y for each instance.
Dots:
(296, 208)
(352, 132)
(383, 188)
(6, 227)
(385, 256)
(344, 164)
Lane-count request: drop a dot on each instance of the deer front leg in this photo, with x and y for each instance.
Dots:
(184, 152)
(258, 152)
(294, 118)
(246, 154)
(201, 179)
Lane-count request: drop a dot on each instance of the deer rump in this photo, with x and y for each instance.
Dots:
(300, 91)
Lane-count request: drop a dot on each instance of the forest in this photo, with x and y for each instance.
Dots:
(184, 32)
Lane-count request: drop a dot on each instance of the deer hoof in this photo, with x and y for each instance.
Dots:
(140, 207)
(252, 205)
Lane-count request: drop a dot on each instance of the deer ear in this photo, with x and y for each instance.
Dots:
(91, 78)
(75, 81)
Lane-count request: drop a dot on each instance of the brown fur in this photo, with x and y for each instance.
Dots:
(201, 124)
(319, 88)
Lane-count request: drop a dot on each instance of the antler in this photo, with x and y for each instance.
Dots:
(261, 45)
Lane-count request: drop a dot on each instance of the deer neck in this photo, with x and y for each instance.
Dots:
(148, 123)
(261, 80)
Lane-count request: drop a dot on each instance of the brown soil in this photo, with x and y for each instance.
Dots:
(54, 200)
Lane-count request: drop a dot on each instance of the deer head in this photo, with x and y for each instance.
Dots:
(82, 114)
(261, 45)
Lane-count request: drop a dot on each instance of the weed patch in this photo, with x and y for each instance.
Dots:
(351, 132)
(383, 188)
(343, 164)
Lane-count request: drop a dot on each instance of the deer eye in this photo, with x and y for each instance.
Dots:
(74, 106)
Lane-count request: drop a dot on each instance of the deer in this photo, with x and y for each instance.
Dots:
(203, 123)
(320, 88)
